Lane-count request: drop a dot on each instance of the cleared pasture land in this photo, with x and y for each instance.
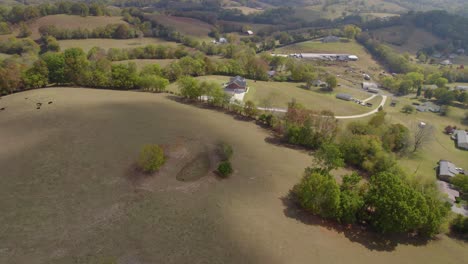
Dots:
(406, 38)
(66, 196)
(87, 44)
(365, 61)
(73, 22)
(279, 94)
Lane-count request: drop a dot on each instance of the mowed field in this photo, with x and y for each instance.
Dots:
(68, 192)
(279, 94)
(365, 61)
(187, 26)
(73, 22)
(87, 44)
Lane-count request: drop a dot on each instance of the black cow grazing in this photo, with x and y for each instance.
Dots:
(3, 108)
(50, 102)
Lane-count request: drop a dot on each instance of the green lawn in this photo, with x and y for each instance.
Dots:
(278, 94)
(440, 147)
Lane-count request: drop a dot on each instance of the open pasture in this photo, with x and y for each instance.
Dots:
(69, 192)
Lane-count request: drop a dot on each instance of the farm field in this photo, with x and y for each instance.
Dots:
(87, 44)
(279, 94)
(365, 62)
(244, 9)
(140, 63)
(87, 207)
(188, 26)
(73, 22)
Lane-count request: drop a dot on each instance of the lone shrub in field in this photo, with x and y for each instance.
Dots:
(224, 169)
(226, 151)
(151, 158)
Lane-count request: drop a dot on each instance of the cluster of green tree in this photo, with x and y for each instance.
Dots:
(308, 128)
(225, 167)
(394, 61)
(147, 52)
(19, 13)
(18, 46)
(74, 67)
(412, 82)
(459, 226)
(388, 202)
(117, 31)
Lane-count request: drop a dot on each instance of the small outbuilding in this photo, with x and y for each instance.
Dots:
(369, 85)
(353, 58)
(343, 96)
(461, 88)
(249, 32)
(446, 63)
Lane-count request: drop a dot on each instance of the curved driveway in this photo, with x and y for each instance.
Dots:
(382, 103)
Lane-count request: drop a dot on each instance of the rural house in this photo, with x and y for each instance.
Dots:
(346, 97)
(447, 170)
(446, 63)
(236, 85)
(461, 139)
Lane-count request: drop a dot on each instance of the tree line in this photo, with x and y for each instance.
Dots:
(22, 13)
(116, 31)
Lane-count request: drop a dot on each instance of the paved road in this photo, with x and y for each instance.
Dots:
(382, 103)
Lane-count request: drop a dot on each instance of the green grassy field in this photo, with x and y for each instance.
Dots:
(278, 94)
(69, 193)
(440, 147)
(87, 44)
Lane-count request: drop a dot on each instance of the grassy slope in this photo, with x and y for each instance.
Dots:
(411, 38)
(87, 44)
(65, 196)
(188, 26)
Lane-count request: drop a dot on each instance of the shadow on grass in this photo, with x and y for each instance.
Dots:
(277, 141)
(355, 233)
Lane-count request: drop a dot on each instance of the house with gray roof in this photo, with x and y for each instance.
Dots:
(447, 170)
(461, 139)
